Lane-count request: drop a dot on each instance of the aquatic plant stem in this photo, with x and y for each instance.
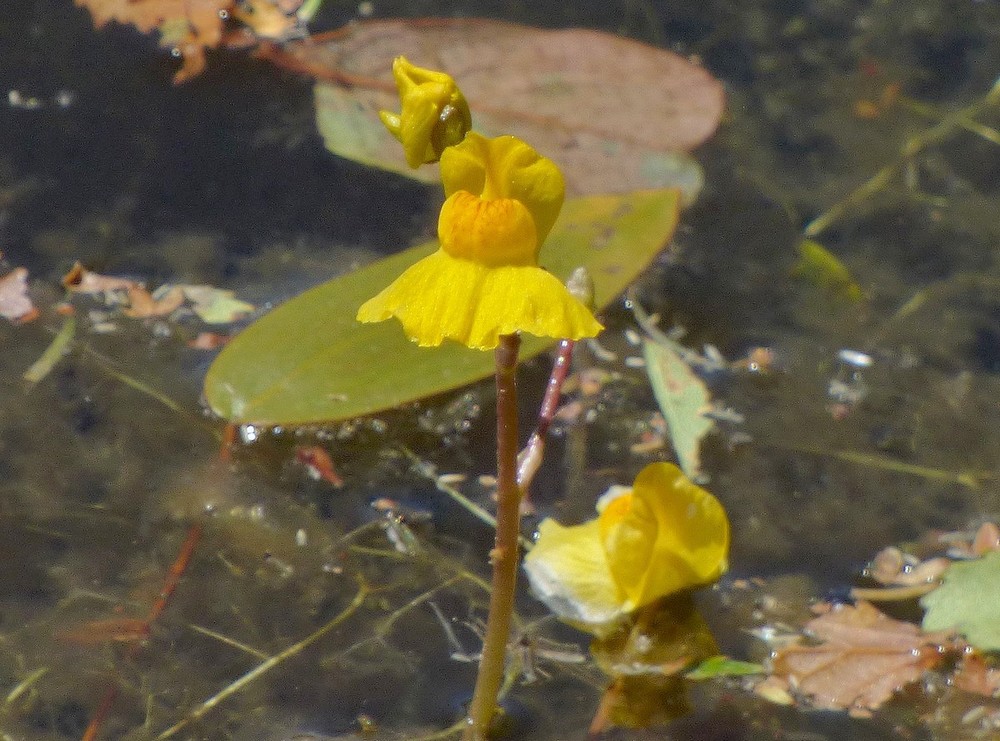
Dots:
(504, 555)
(529, 459)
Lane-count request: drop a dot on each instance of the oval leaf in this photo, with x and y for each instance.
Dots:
(615, 114)
(967, 602)
(309, 361)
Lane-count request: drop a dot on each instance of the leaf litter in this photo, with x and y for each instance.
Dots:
(212, 305)
(855, 658)
(15, 304)
(862, 658)
(190, 27)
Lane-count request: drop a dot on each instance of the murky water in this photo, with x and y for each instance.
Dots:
(303, 608)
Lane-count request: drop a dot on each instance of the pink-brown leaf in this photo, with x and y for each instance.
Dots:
(607, 108)
(14, 301)
(863, 659)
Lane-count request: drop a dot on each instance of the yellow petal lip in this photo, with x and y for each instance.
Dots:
(434, 114)
(672, 523)
(505, 167)
(442, 297)
(663, 535)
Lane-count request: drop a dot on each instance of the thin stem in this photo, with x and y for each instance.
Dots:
(504, 555)
(531, 457)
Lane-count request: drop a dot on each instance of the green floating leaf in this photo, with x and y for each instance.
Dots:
(967, 601)
(309, 361)
(683, 399)
(723, 666)
(822, 268)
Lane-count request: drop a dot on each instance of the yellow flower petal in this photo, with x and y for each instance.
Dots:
(492, 233)
(661, 536)
(442, 297)
(505, 167)
(568, 571)
(434, 115)
(670, 534)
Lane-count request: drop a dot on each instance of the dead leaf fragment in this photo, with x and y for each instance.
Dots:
(215, 305)
(144, 305)
(319, 464)
(208, 341)
(81, 280)
(269, 20)
(14, 302)
(976, 676)
(863, 658)
(893, 567)
(187, 26)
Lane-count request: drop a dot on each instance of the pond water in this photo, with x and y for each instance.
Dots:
(304, 611)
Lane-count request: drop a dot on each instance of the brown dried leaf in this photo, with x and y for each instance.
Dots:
(14, 302)
(612, 111)
(81, 280)
(974, 675)
(865, 657)
(189, 26)
(208, 341)
(142, 305)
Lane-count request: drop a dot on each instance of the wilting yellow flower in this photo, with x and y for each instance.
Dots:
(434, 113)
(484, 281)
(663, 535)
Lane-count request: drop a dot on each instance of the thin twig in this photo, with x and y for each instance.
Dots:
(229, 641)
(94, 727)
(177, 569)
(964, 478)
(458, 497)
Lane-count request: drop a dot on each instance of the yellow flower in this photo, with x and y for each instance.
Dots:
(663, 535)
(484, 281)
(434, 113)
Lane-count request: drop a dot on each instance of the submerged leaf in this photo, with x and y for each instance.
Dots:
(967, 601)
(615, 113)
(666, 638)
(641, 702)
(309, 360)
(723, 666)
(683, 399)
(822, 268)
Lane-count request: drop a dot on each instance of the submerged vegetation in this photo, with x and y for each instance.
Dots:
(816, 348)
